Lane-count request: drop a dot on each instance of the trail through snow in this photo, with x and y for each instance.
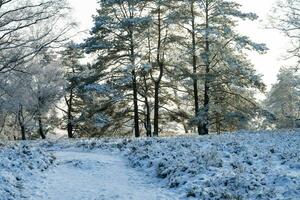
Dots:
(97, 176)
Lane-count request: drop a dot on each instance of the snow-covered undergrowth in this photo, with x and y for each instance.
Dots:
(230, 166)
(263, 165)
(20, 163)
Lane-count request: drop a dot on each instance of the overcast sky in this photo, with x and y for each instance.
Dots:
(267, 64)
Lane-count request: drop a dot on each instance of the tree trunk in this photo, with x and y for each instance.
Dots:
(218, 123)
(134, 78)
(147, 117)
(195, 78)
(186, 130)
(204, 129)
(156, 108)
(136, 108)
(41, 130)
(148, 125)
(23, 133)
(70, 116)
(157, 82)
(20, 118)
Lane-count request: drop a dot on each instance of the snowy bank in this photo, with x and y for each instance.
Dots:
(20, 163)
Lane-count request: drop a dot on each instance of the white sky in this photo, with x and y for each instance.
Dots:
(267, 64)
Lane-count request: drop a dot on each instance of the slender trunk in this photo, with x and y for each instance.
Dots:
(147, 104)
(23, 133)
(148, 125)
(134, 76)
(136, 108)
(195, 78)
(156, 109)
(70, 116)
(218, 123)
(157, 82)
(147, 118)
(204, 130)
(148, 111)
(41, 130)
(186, 130)
(20, 118)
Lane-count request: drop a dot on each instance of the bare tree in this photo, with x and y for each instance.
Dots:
(20, 36)
(286, 18)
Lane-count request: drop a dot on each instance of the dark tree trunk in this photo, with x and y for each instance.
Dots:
(21, 122)
(148, 125)
(23, 133)
(195, 78)
(41, 129)
(70, 116)
(147, 117)
(204, 130)
(158, 80)
(186, 130)
(218, 123)
(134, 77)
(136, 108)
(156, 108)
(70, 130)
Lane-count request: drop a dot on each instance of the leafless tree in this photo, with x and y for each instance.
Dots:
(27, 27)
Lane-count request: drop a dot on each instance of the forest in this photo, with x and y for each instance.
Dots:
(153, 68)
(157, 100)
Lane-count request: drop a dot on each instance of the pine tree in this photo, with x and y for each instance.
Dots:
(283, 99)
(116, 35)
(160, 34)
(71, 61)
(222, 48)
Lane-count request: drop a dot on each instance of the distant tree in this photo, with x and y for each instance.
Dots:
(17, 102)
(46, 87)
(284, 99)
(28, 29)
(286, 18)
(212, 64)
(224, 63)
(71, 62)
(30, 96)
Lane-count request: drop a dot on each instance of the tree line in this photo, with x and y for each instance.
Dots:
(168, 59)
(155, 67)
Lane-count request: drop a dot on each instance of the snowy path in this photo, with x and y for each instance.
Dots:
(98, 176)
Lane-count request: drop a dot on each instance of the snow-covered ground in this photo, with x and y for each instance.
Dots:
(263, 165)
(97, 176)
(20, 165)
(242, 166)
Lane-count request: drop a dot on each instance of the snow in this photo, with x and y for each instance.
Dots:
(20, 164)
(97, 175)
(245, 165)
(264, 165)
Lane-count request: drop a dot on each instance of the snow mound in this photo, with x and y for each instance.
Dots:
(20, 162)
